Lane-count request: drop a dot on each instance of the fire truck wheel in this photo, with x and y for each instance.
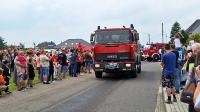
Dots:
(98, 74)
(149, 59)
(139, 68)
(156, 57)
(134, 73)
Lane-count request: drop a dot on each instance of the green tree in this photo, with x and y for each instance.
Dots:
(175, 29)
(2, 44)
(195, 37)
(184, 40)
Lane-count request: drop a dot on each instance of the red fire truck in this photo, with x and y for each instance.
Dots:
(116, 50)
(152, 52)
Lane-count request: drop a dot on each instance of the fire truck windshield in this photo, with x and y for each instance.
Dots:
(113, 37)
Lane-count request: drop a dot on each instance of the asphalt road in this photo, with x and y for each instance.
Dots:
(113, 93)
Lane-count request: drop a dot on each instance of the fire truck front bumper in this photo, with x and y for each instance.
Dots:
(145, 56)
(114, 67)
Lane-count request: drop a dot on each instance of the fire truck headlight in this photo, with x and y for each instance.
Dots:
(97, 65)
(128, 65)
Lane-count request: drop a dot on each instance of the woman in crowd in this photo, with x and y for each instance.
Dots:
(31, 72)
(79, 62)
(190, 68)
(20, 62)
(44, 66)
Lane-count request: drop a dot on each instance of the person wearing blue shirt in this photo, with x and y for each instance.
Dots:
(168, 64)
(73, 63)
(177, 78)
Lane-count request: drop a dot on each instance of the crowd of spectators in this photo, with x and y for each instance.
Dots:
(23, 65)
(181, 70)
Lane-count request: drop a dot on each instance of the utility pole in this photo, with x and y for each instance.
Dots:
(149, 38)
(162, 33)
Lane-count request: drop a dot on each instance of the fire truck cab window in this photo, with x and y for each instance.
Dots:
(113, 36)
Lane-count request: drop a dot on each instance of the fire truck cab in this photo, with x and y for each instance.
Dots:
(116, 50)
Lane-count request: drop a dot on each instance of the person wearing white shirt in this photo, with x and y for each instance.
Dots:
(177, 41)
(44, 64)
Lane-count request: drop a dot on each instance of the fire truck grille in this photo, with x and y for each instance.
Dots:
(112, 57)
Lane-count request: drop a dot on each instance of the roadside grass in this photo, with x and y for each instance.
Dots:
(13, 86)
(36, 80)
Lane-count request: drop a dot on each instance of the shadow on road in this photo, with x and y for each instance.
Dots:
(118, 76)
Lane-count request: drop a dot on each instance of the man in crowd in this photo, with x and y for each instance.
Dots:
(177, 78)
(73, 63)
(88, 61)
(168, 64)
(63, 61)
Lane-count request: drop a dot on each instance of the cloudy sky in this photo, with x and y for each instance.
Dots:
(29, 21)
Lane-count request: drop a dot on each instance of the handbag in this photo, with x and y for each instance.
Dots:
(188, 93)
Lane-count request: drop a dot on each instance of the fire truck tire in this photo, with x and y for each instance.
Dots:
(98, 74)
(149, 59)
(139, 67)
(156, 57)
(134, 73)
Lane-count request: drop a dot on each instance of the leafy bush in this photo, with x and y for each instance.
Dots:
(195, 37)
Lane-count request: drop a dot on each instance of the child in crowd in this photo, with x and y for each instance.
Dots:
(51, 69)
(6, 74)
(21, 59)
(59, 71)
(31, 73)
(177, 41)
(3, 87)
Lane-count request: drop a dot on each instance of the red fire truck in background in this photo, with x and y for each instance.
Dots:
(116, 50)
(152, 52)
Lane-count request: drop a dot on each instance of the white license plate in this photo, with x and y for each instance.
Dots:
(112, 66)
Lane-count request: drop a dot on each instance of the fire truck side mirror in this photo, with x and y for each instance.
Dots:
(92, 39)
